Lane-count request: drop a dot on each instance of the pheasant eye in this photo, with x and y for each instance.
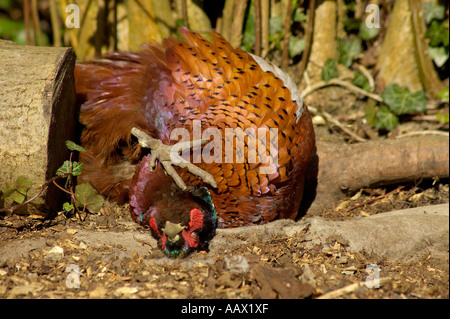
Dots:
(196, 221)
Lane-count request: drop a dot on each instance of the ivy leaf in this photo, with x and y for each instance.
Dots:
(367, 33)
(299, 16)
(348, 49)
(433, 11)
(370, 111)
(86, 195)
(443, 95)
(442, 118)
(65, 168)
(361, 81)
(76, 168)
(18, 193)
(296, 46)
(74, 147)
(351, 25)
(402, 101)
(67, 207)
(386, 119)
(439, 55)
(329, 71)
(437, 33)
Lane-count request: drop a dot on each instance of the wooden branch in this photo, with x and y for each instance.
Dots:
(258, 27)
(265, 27)
(287, 35)
(238, 23)
(308, 39)
(345, 169)
(428, 74)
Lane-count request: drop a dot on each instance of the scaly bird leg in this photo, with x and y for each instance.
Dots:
(168, 155)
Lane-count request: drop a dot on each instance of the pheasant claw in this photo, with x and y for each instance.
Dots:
(168, 155)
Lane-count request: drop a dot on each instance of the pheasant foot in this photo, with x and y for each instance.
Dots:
(169, 155)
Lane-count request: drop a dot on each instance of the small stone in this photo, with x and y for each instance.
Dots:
(71, 231)
(55, 254)
(237, 263)
(125, 291)
(97, 293)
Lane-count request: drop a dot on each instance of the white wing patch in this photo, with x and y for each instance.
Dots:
(287, 80)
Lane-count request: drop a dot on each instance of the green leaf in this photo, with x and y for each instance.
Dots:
(23, 183)
(74, 147)
(64, 169)
(361, 81)
(18, 193)
(8, 192)
(351, 25)
(67, 207)
(443, 118)
(329, 71)
(386, 119)
(86, 195)
(433, 11)
(76, 168)
(275, 25)
(437, 33)
(439, 55)
(443, 95)
(370, 111)
(299, 16)
(348, 49)
(402, 101)
(296, 46)
(367, 33)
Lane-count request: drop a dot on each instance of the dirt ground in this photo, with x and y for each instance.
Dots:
(117, 259)
(108, 256)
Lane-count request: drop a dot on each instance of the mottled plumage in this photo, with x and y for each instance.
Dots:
(182, 84)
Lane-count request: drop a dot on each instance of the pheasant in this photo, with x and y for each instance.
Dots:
(195, 135)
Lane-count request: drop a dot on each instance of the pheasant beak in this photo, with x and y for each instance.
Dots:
(172, 231)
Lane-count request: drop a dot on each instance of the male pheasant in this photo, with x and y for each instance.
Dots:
(247, 105)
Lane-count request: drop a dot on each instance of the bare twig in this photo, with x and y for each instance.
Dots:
(227, 19)
(423, 133)
(238, 22)
(350, 288)
(371, 200)
(258, 27)
(336, 122)
(308, 38)
(36, 25)
(287, 35)
(265, 27)
(339, 81)
(368, 76)
(185, 13)
(26, 13)
(55, 24)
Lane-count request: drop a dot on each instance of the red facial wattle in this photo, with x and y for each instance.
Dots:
(195, 223)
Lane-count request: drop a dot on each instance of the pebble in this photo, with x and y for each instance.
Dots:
(55, 254)
(97, 293)
(237, 263)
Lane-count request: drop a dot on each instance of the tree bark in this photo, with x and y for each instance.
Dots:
(345, 169)
(37, 116)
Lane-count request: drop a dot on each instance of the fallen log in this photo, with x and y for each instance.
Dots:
(37, 115)
(341, 170)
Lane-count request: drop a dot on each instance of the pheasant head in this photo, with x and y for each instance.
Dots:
(182, 221)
